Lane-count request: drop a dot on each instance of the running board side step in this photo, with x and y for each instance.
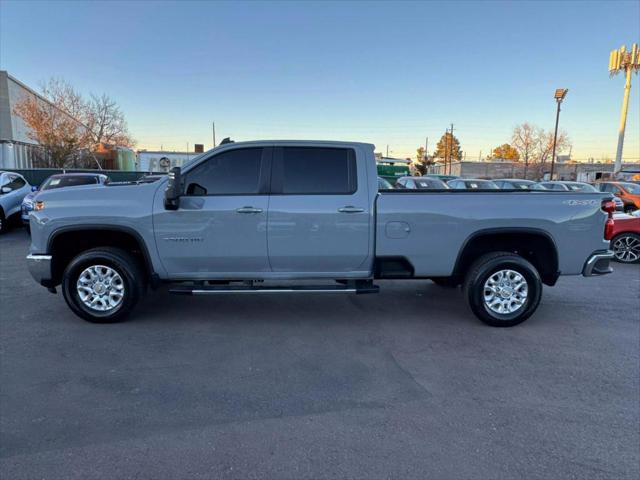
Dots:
(228, 289)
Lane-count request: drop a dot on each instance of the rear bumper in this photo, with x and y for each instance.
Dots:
(598, 264)
(40, 268)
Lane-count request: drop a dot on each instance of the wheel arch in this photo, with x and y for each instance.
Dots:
(65, 243)
(534, 244)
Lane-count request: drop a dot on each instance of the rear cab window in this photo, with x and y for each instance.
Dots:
(314, 171)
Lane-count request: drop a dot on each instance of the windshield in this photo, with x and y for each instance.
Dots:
(581, 187)
(631, 188)
(481, 185)
(521, 185)
(430, 183)
(68, 181)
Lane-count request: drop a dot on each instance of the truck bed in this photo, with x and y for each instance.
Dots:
(429, 228)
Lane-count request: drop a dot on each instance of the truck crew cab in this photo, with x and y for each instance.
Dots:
(244, 217)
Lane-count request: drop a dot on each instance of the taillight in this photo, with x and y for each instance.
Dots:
(608, 206)
(608, 229)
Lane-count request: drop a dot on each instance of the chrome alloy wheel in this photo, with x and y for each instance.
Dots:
(627, 249)
(505, 292)
(100, 288)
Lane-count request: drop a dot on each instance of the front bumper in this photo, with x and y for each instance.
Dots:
(40, 268)
(598, 264)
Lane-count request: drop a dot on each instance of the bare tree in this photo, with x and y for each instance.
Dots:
(544, 148)
(106, 122)
(53, 122)
(68, 127)
(535, 146)
(524, 141)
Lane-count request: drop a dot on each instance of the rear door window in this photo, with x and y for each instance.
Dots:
(315, 171)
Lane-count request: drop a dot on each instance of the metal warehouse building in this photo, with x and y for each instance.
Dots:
(17, 150)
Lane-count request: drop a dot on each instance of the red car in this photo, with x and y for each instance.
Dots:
(625, 239)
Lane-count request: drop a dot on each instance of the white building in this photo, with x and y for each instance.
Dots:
(161, 161)
(17, 150)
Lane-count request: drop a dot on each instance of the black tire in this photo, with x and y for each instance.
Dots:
(125, 265)
(483, 269)
(3, 222)
(625, 247)
(446, 282)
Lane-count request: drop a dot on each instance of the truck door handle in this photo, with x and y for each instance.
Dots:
(249, 210)
(350, 209)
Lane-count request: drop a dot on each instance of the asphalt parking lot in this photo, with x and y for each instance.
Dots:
(404, 384)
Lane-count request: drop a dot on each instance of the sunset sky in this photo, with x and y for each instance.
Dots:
(387, 73)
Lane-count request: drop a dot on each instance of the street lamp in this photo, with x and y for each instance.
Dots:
(559, 96)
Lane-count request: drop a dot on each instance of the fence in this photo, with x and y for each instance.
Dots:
(35, 176)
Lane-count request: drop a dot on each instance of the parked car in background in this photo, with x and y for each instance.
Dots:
(421, 183)
(60, 180)
(625, 242)
(13, 188)
(152, 177)
(472, 184)
(384, 184)
(517, 184)
(444, 178)
(619, 204)
(628, 192)
(568, 186)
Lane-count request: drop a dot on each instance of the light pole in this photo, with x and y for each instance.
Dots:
(559, 96)
(622, 61)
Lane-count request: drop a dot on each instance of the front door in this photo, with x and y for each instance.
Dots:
(319, 213)
(220, 227)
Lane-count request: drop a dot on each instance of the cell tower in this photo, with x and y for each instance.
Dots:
(622, 61)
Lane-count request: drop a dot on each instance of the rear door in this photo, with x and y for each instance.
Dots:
(319, 212)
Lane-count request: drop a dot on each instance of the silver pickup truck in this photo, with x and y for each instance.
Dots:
(250, 217)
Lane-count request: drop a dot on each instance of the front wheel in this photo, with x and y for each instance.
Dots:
(102, 285)
(503, 289)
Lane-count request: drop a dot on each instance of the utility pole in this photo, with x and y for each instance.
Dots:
(387, 151)
(622, 61)
(451, 150)
(214, 134)
(446, 149)
(559, 96)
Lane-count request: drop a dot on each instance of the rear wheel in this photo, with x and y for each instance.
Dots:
(103, 285)
(503, 289)
(626, 247)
